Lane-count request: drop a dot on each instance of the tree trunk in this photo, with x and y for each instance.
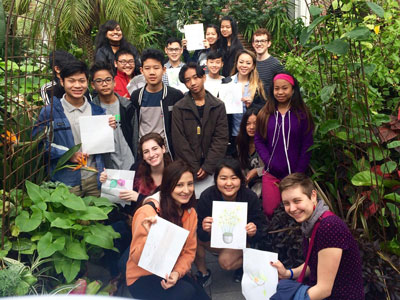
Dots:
(85, 41)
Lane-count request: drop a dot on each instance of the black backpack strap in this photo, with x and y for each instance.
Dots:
(151, 203)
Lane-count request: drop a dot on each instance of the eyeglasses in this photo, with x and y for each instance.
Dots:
(124, 62)
(260, 41)
(173, 49)
(100, 81)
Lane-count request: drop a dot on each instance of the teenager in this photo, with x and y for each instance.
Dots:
(244, 75)
(153, 103)
(213, 78)
(199, 124)
(109, 40)
(174, 50)
(176, 206)
(64, 116)
(284, 133)
(125, 65)
(250, 161)
(230, 185)
(230, 43)
(267, 65)
(332, 258)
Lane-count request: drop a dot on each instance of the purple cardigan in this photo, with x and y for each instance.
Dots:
(297, 139)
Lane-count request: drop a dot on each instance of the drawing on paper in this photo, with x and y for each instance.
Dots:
(228, 220)
(117, 182)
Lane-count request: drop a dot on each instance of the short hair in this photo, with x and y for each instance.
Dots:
(214, 54)
(297, 179)
(232, 164)
(60, 58)
(191, 65)
(74, 67)
(262, 31)
(100, 66)
(173, 40)
(153, 54)
(122, 52)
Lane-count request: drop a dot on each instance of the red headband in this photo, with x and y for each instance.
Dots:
(286, 77)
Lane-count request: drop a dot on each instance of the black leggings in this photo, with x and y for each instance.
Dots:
(149, 288)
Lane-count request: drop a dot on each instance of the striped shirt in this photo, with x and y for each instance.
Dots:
(267, 69)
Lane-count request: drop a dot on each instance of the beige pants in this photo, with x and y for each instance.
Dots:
(88, 187)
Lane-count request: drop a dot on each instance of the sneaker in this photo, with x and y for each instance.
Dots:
(204, 280)
(237, 276)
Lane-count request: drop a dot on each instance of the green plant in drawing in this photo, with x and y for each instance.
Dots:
(228, 219)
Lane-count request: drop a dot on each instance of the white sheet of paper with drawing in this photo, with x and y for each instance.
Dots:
(173, 79)
(228, 229)
(194, 34)
(231, 95)
(162, 248)
(96, 135)
(200, 186)
(117, 180)
(260, 279)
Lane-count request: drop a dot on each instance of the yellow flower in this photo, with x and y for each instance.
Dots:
(376, 29)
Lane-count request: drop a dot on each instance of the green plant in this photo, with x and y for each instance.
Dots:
(57, 224)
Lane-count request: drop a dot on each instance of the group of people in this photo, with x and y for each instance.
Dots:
(174, 140)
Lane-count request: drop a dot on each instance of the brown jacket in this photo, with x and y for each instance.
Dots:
(201, 143)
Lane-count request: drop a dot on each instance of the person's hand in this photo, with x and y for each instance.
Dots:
(251, 174)
(112, 122)
(184, 43)
(247, 101)
(128, 195)
(282, 272)
(103, 176)
(206, 44)
(207, 223)
(201, 174)
(77, 157)
(251, 229)
(147, 222)
(170, 280)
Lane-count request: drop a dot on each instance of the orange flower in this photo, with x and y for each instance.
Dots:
(9, 137)
(82, 164)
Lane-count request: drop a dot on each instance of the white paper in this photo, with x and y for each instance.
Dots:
(117, 180)
(96, 135)
(231, 95)
(162, 248)
(194, 34)
(200, 186)
(228, 229)
(260, 279)
(173, 79)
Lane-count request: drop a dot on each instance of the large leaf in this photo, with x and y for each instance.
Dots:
(74, 202)
(28, 223)
(315, 11)
(327, 92)
(65, 157)
(378, 10)
(366, 178)
(92, 214)
(393, 144)
(34, 192)
(359, 33)
(102, 201)
(338, 46)
(377, 153)
(47, 247)
(62, 223)
(328, 126)
(388, 167)
(70, 268)
(75, 250)
(393, 196)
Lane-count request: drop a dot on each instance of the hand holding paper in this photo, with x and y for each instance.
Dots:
(194, 34)
(96, 134)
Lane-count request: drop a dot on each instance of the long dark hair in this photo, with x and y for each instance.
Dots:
(243, 139)
(297, 105)
(235, 43)
(144, 169)
(232, 164)
(169, 210)
(217, 44)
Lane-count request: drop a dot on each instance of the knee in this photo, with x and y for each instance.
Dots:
(225, 262)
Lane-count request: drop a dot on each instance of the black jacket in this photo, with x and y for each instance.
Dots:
(204, 209)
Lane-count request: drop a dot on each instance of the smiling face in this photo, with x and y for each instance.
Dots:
(297, 204)
(152, 71)
(261, 44)
(211, 35)
(226, 28)
(194, 83)
(174, 52)
(183, 190)
(245, 64)
(214, 65)
(103, 83)
(283, 91)
(114, 35)
(228, 183)
(153, 154)
(251, 125)
(75, 86)
(125, 64)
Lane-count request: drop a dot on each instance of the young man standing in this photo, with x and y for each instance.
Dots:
(153, 102)
(267, 65)
(125, 64)
(174, 51)
(64, 115)
(213, 78)
(199, 124)
(126, 132)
